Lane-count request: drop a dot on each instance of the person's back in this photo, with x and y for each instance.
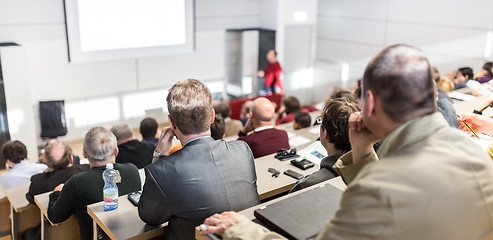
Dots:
(132, 150)
(82, 189)
(205, 177)
(439, 186)
(47, 181)
(86, 188)
(136, 152)
(19, 169)
(266, 141)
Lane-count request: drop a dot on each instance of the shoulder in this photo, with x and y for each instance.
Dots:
(126, 167)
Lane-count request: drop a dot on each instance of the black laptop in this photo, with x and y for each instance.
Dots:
(302, 216)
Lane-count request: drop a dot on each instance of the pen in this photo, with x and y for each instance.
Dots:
(470, 129)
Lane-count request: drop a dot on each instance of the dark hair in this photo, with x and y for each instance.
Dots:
(222, 108)
(303, 119)
(487, 67)
(148, 127)
(292, 104)
(190, 106)
(400, 77)
(218, 127)
(467, 72)
(335, 116)
(61, 163)
(14, 151)
(357, 92)
(339, 93)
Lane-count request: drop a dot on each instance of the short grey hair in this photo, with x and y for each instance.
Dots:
(99, 144)
(122, 131)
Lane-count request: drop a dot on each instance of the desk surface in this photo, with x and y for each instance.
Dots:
(2, 195)
(42, 201)
(249, 212)
(17, 198)
(336, 182)
(124, 222)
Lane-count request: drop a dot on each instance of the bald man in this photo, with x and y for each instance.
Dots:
(59, 159)
(265, 139)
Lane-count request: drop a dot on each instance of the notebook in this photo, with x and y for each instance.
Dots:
(302, 216)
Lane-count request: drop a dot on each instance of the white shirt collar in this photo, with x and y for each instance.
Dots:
(263, 128)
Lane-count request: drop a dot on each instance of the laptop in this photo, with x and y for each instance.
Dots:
(302, 216)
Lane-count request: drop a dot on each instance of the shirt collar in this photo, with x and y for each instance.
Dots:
(193, 139)
(390, 138)
(263, 128)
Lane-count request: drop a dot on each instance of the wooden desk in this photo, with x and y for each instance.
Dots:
(248, 213)
(124, 222)
(24, 214)
(4, 216)
(69, 229)
(267, 186)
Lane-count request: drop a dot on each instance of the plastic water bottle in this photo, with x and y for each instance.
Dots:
(110, 190)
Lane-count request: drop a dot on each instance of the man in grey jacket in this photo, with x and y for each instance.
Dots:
(206, 176)
(427, 181)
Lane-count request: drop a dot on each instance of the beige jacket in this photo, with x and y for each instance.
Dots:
(432, 182)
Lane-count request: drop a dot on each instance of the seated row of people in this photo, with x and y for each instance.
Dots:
(428, 180)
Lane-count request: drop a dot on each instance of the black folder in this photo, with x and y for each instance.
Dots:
(302, 216)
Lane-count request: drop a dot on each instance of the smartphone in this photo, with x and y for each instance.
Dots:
(293, 174)
(134, 198)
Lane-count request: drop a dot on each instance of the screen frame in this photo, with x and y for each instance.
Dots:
(75, 55)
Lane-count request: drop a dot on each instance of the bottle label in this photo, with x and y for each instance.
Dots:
(110, 199)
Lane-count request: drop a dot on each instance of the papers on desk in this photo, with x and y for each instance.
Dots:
(315, 130)
(290, 135)
(314, 153)
(298, 141)
(484, 140)
(461, 96)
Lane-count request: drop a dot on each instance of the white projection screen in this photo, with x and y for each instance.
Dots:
(102, 30)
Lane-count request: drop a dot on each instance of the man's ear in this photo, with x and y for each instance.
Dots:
(72, 159)
(116, 151)
(370, 102)
(171, 123)
(84, 154)
(213, 115)
(323, 133)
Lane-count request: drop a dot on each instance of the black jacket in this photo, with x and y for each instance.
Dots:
(86, 188)
(136, 152)
(326, 172)
(47, 181)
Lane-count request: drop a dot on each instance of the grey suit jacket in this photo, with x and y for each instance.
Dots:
(207, 176)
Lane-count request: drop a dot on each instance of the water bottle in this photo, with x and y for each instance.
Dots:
(110, 190)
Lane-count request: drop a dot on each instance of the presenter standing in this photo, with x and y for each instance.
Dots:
(272, 73)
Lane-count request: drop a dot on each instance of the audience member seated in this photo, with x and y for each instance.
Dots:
(218, 127)
(289, 107)
(19, 169)
(334, 136)
(232, 126)
(302, 120)
(206, 176)
(245, 111)
(485, 75)
(131, 150)
(59, 159)
(265, 139)
(463, 76)
(444, 103)
(445, 84)
(100, 148)
(415, 187)
(340, 93)
(148, 129)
